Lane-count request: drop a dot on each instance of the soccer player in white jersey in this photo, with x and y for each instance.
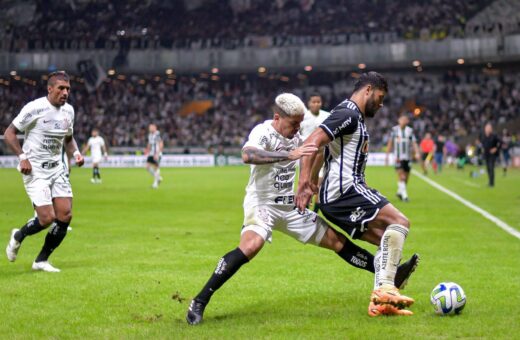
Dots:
(402, 141)
(154, 153)
(345, 198)
(48, 126)
(98, 150)
(272, 149)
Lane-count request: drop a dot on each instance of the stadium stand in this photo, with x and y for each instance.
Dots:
(456, 103)
(240, 23)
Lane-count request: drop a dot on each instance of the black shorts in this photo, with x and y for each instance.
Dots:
(424, 155)
(404, 165)
(153, 161)
(354, 209)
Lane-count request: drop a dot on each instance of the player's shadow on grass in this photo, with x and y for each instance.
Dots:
(304, 306)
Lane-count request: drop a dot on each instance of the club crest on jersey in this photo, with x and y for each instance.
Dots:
(357, 214)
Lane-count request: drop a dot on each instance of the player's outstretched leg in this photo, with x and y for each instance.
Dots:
(228, 265)
(53, 239)
(388, 258)
(32, 227)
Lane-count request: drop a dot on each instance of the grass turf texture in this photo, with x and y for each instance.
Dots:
(136, 256)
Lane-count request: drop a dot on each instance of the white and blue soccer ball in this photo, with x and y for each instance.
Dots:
(448, 298)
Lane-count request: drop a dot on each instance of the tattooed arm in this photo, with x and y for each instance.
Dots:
(251, 155)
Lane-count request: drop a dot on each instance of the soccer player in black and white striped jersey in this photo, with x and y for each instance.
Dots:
(346, 199)
(402, 141)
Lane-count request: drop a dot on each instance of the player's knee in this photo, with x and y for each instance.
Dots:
(251, 248)
(65, 216)
(402, 220)
(46, 218)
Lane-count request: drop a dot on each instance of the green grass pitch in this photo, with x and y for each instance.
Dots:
(136, 256)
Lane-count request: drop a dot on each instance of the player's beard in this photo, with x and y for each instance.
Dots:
(371, 107)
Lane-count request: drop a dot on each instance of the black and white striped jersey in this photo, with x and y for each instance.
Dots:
(154, 140)
(346, 155)
(402, 141)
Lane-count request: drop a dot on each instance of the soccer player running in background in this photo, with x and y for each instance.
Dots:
(48, 126)
(272, 149)
(401, 141)
(98, 150)
(426, 146)
(154, 153)
(346, 199)
(314, 116)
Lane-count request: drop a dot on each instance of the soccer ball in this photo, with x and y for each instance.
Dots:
(448, 298)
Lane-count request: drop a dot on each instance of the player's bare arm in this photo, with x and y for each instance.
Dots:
(305, 188)
(105, 150)
(159, 150)
(316, 167)
(416, 151)
(14, 144)
(251, 155)
(389, 147)
(71, 147)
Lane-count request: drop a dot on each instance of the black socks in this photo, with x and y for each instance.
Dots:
(53, 239)
(30, 228)
(226, 267)
(95, 173)
(357, 256)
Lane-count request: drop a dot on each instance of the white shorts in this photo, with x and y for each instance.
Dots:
(263, 219)
(96, 159)
(42, 189)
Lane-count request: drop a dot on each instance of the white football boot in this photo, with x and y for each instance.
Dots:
(12, 247)
(45, 266)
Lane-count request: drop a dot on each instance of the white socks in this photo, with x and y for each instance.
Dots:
(401, 189)
(157, 174)
(151, 171)
(389, 255)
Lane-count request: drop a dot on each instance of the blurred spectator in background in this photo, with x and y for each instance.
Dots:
(427, 146)
(439, 153)
(506, 144)
(490, 146)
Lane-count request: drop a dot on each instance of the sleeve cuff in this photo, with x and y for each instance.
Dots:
(327, 131)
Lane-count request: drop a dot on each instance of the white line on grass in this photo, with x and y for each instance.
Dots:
(503, 225)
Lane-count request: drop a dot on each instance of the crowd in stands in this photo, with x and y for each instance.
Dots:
(228, 24)
(456, 104)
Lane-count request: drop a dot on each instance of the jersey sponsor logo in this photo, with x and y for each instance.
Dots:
(284, 199)
(283, 179)
(342, 126)
(357, 214)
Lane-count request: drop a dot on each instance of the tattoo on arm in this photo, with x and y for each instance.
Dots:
(258, 156)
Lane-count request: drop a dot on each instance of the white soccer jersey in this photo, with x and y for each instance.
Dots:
(96, 146)
(271, 183)
(154, 140)
(346, 155)
(45, 127)
(311, 122)
(402, 140)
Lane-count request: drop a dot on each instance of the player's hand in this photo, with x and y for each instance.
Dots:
(78, 158)
(25, 167)
(305, 192)
(304, 150)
